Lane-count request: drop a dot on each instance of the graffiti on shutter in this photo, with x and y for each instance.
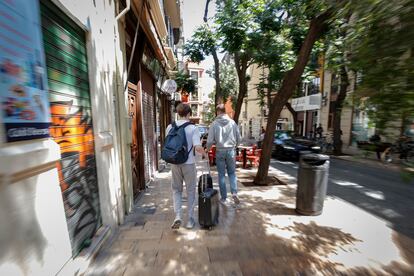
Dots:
(71, 126)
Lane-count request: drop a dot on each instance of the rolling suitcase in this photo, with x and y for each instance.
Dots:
(208, 202)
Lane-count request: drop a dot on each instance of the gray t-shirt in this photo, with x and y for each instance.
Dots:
(193, 138)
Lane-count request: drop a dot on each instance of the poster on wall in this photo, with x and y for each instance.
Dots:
(23, 83)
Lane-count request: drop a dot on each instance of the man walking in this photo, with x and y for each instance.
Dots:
(224, 133)
(185, 172)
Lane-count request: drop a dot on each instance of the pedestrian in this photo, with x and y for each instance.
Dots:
(319, 130)
(376, 141)
(224, 133)
(261, 138)
(185, 172)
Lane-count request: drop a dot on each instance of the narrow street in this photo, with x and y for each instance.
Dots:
(381, 192)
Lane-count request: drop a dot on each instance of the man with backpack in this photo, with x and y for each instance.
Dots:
(181, 143)
(225, 134)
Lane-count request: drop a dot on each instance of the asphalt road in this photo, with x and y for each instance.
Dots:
(381, 192)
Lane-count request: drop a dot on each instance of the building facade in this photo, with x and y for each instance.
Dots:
(198, 100)
(254, 116)
(83, 123)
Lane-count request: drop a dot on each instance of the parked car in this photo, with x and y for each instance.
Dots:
(285, 146)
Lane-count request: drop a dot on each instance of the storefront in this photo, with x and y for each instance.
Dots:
(71, 128)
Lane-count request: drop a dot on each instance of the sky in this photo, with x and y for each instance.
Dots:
(193, 12)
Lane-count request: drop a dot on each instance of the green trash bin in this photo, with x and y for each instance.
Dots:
(312, 184)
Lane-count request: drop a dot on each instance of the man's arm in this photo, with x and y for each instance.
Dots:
(210, 138)
(196, 142)
(238, 137)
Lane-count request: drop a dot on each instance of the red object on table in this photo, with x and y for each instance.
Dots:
(254, 159)
(245, 152)
(212, 155)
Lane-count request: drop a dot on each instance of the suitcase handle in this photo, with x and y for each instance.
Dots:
(203, 180)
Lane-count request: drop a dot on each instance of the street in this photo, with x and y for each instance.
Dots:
(381, 192)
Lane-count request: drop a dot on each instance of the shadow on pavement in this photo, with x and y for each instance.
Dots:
(261, 236)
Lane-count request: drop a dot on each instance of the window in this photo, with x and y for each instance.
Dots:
(194, 95)
(194, 75)
(314, 86)
(250, 128)
(194, 109)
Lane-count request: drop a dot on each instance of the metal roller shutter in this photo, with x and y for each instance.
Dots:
(148, 117)
(67, 71)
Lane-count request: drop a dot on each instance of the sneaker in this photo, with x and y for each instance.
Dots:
(190, 224)
(176, 224)
(236, 199)
(223, 202)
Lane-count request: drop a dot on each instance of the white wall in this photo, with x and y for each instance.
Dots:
(34, 239)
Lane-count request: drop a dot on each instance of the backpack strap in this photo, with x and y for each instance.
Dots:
(185, 124)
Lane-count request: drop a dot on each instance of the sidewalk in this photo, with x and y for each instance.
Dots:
(263, 236)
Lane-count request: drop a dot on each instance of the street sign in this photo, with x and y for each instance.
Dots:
(169, 86)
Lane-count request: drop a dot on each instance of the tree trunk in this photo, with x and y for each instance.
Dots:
(217, 78)
(295, 117)
(205, 18)
(241, 68)
(316, 29)
(269, 90)
(337, 139)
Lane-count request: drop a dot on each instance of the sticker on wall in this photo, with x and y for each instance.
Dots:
(23, 92)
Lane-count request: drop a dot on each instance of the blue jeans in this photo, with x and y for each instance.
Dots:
(226, 159)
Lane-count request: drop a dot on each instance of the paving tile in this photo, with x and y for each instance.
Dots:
(238, 245)
(147, 245)
(140, 234)
(160, 224)
(122, 246)
(167, 256)
(197, 254)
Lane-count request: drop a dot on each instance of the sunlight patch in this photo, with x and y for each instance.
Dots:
(375, 194)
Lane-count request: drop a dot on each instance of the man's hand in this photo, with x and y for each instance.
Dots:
(201, 151)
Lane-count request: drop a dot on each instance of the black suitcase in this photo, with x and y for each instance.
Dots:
(208, 202)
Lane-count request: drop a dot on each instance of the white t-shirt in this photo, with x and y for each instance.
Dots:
(193, 138)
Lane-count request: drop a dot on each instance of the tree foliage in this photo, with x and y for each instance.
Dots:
(228, 80)
(184, 82)
(380, 39)
(202, 43)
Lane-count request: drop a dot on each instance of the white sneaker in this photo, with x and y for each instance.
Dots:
(223, 202)
(190, 224)
(176, 224)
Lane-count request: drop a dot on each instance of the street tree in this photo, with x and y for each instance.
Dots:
(336, 58)
(204, 42)
(238, 26)
(317, 15)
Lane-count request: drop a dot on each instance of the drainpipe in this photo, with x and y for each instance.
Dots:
(128, 7)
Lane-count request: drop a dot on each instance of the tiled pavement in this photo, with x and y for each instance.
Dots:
(263, 236)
